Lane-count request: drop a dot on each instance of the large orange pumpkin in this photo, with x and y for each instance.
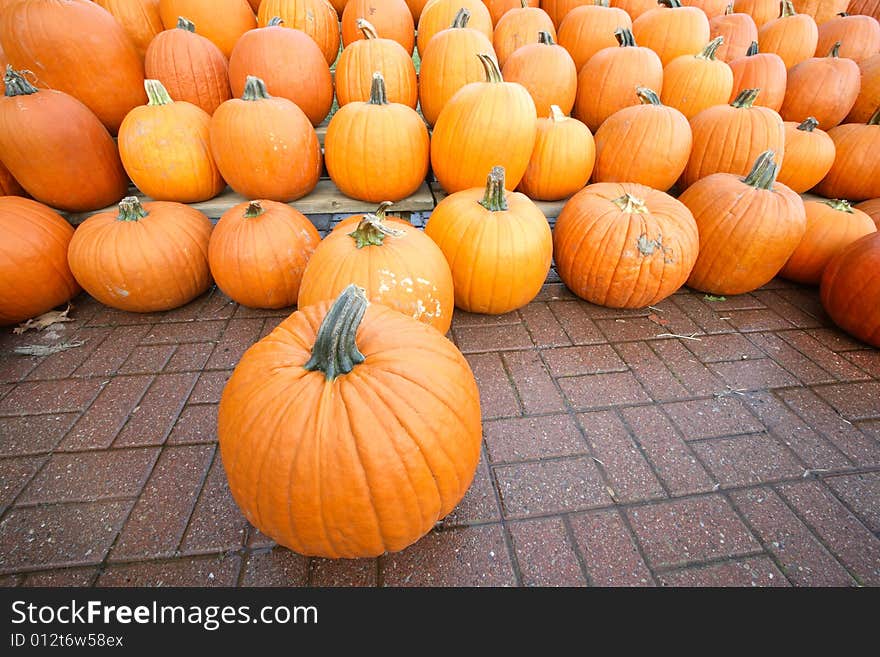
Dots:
(259, 251)
(350, 430)
(831, 226)
(139, 18)
(869, 91)
(822, 10)
(143, 258)
(749, 227)
(855, 174)
(103, 70)
(497, 8)
(317, 18)
(265, 147)
(391, 18)
(850, 289)
(809, 154)
(34, 276)
(221, 21)
(859, 36)
(438, 15)
(397, 264)
(547, 71)
(692, 83)
(589, 28)
(792, 36)
(518, 27)
(57, 149)
(871, 207)
(823, 87)
(738, 30)
(486, 231)
(762, 11)
(672, 30)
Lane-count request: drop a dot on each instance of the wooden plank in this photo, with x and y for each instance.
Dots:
(550, 209)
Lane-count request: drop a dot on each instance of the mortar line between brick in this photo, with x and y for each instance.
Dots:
(171, 425)
(846, 505)
(832, 378)
(572, 541)
(691, 565)
(198, 497)
(505, 532)
(634, 439)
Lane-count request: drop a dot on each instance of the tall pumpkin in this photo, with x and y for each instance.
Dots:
(34, 276)
(104, 71)
(823, 87)
(859, 36)
(259, 251)
(265, 147)
(624, 245)
(221, 21)
(547, 72)
(370, 421)
(855, 174)
(317, 18)
(869, 91)
(672, 30)
(821, 10)
(762, 11)
(589, 28)
(484, 124)
(57, 149)
(760, 70)
(391, 18)
(518, 27)
(792, 36)
(143, 258)
(749, 227)
(396, 264)
(438, 15)
(738, 30)
(139, 18)
(692, 83)
(850, 289)
(485, 231)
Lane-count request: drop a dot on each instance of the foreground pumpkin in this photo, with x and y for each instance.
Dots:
(624, 245)
(317, 18)
(823, 87)
(672, 30)
(738, 31)
(850, 289)
(391, 18)
(547, 71)
(692, 83)
(397, 264)
(589, 28)
(143, 258)
(518, 27)
(350, 430)
(486, 231)
(221, 21)
(809, 154)
(34, 276)
(792, 36)
(749, 227)
(259, 251)
(855, 174)
(760, 70)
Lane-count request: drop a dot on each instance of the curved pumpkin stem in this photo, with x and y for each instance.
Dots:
(746, 98)
(835, 50)
(130, 209)
(544, 37)
(372, 231)
(185, 24)
(625, 37)
(631, 204)
(524, 4)
(254, 210)
(495, 198)
(335, 352)
(255, 89)
(556, 114)
(728, 10)
(378, 95)
(672, 4)
(753, 49)
(840, 205)
(648, 96)
(763, 174)
(809, 125)
(787, 9)
(462, 17)
(156, 93)
(875, 118)
(367, 28)
(711, 48)
(275, 21)
(493, 73)
(16, 83)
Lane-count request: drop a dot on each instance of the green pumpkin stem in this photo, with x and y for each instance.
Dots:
(787, 9)
(156, 93)
(711, 48)
(367, 28)
(335, 352)
(753, 49)
(838, 204)
(557, 114)
(372, 231)
(130, 209)
(602, 3)
(16, 83)
(631, 204)
(835, 50)
(544, 37)
(648, 96)
(462, 17)
(275, 21)
(672, 4)
(255, 89)
(763, 173)
(495, 198)
(728, 10)
(254, 210)
(809, 125)
(493, 73)
(625, 37)
(378, 94)
(746, 98)
(875, 118)
(185, 24)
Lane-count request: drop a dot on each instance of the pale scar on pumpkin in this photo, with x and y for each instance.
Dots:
(389, 280)
(649, 247)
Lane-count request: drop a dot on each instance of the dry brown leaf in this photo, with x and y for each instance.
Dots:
(45, 320)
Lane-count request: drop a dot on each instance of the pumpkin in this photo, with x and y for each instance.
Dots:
(832, 225)
(692, 83)
(143, 258)
(4, 62)
(850, 289)
(624, 245)
(450, 62)
(289, 63)
(809, 154)
(370, 421)
(792, 36)
(264, 146)
(497, 8)
(762, 11)
(486, 231)
(821, 10)
(189, 66)
(558, 10)
(562, 160)
(647, 144)
(258, 252)
(607, 82)
(711, 8)
(869, 91)
(398, 265)
(317, 18)
(518, 27)
(392, 19)
(255, 5)
(415, 8)
(859, 37)
(547, 72)
(865, 8)
(823, 87)
(588, 29)
(440, 14)
(871, 207)
(166, 151)
(377, 150)
(760, 70)
(855, 174)
(8, 185)
(483, 124)
(361, 59)
(738, 30)
(34, 276)
(221, 21)
(749, 227)
(139, 18)
(104, 71)
(635, 8)
(57, 149)
(672, 30)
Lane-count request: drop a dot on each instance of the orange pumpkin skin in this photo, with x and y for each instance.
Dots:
(497, 8)
(139, 18)
(850, 289)
(562, 159)
(317, 18)
(255, 5)
(589, 28)
(624, 245)
(865, 8)
(647, 144)
(831, 227)
(3, 63)
(166, 151)
(859, 37)
(189, 66)
(547, 72)
(517, 28)
(792, 36)
(358, 62)
(711, 8)
(871, 207)
(8, 185)
(869, 91)
(290, 64)
(482, 125)
(635, 8)
(809, 154)
(855, 174)
(692, 83)
(104, 71)
(483, 231)
(259, 251)
(765, 71)
(748, 228)
(265, 147)
(728, 138)
(57, 149)
(607, 82)
(821, 10)
(376, 150)
(823, 87)
(367, 460)
(438, 15)
(34, 276)
(221, 21)
(143, 258)
(392, 19)
(672, 30)
(762, 11)
(738, 30)
(415, 8)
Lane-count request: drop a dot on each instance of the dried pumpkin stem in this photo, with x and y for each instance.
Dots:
(493, 73)
(378, 95)
(275, 21)
(367, 28)
(835, 50)
(557, 114)
(787, 9)
(495, 198)
(711, 48)
(631, 204)
(753, 49)
(648, 96)
(16, 83)
(875, 118)
(728, 10)
(672, 4)
(462, 17)
(838, 204)
(255, 89)
(544, 37)
(372, 231)
(254, 209)
(335, 352)
(156, 93)
(746, 98)
(130, 209)
(763, 174)
(809, 125)
(185, 24)
(602, 3)
(625, 37)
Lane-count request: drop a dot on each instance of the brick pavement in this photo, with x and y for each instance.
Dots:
(749, 456)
